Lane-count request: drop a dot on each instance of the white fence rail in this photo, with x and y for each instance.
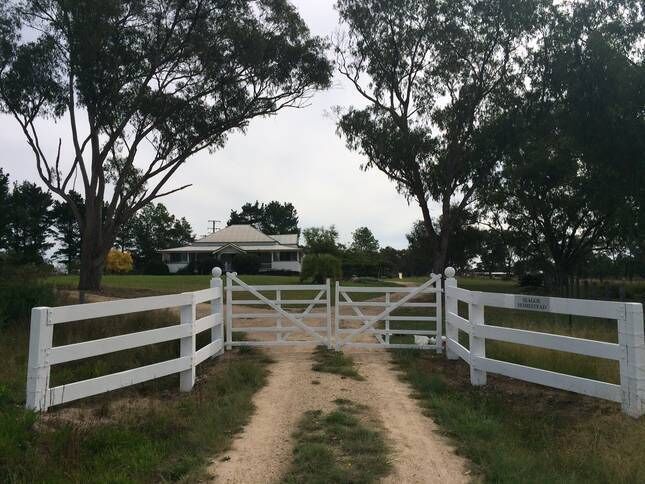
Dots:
(629, 351)
(42, 353)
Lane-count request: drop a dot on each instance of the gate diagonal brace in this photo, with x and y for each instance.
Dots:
(360, 314)
(278, 309)
(373, 320)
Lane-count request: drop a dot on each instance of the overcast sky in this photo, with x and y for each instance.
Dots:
(295, 157)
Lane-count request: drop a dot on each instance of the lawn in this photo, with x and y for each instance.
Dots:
(146, 285)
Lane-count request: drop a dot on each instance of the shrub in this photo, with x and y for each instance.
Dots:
(531, 279)
(246, 263)
(156, 268)
(118, 262)
(22, 288)
(360, 264)
(205, 266)
(318, 267)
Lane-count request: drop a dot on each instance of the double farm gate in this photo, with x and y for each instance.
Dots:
(301, 315)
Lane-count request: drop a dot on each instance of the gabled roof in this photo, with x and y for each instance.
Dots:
(236, 233)
(228, 246)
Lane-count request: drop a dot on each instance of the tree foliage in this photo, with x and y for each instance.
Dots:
(30, 223)
(154, 228)
(363, 241)
(434, 73)
(271, 218)
(573, 148)
(144, 85)
(67, 232)
(321, 240)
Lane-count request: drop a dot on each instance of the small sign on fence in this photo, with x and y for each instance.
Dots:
(532, 303)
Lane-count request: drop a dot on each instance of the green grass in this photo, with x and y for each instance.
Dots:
(336, 362)
(146, 433)
(144, 285)
(341, 446)
(518, 432)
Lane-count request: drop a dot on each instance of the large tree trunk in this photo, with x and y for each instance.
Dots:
(95, 245)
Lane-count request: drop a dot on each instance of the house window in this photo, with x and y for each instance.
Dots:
(288, 256)
(178, 257)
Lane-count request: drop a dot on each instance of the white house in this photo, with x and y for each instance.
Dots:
(277, 252)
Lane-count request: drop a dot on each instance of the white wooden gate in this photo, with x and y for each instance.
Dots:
(281, 320)
(382, 324)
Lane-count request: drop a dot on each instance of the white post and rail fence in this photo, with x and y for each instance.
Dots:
(629, 352)
(42, 353)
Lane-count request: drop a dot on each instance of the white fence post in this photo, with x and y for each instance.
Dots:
(40, 341)
(452, 333)
(229, 311)
(632, 362)
(387, 319)
(217, 308)
(438, 314)
(337, 316)
(278, 302)
(328, 310)
(187, 347)
(477, 343)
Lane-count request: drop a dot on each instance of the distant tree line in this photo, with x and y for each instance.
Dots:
(35, 229)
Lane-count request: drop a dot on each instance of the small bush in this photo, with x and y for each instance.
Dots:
(205, 266)
(531, 279)
(246, 263)
(318, 267)
(22, 288)
(156, 268)
(118, 262)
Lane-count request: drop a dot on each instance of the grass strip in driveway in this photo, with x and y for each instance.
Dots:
(341, 446)
(518, 432)
(331, 361)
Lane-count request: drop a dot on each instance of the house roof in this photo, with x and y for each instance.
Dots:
(236, 233)
(244, 248)
(287, 239)
(242, 238)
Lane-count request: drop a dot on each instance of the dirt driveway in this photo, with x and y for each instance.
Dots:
(263, 451)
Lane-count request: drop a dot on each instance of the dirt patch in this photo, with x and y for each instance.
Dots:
(263, 451)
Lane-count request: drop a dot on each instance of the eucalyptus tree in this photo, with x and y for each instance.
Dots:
(432, 73)
(144, 85)
(572, 151)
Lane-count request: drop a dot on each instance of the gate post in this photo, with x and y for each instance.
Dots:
(229, 311)
(328, 307)
(337, 316)
(631, 338)
(452, 333)
(217, 308)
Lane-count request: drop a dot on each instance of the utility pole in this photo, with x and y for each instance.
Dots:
(214, 225)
